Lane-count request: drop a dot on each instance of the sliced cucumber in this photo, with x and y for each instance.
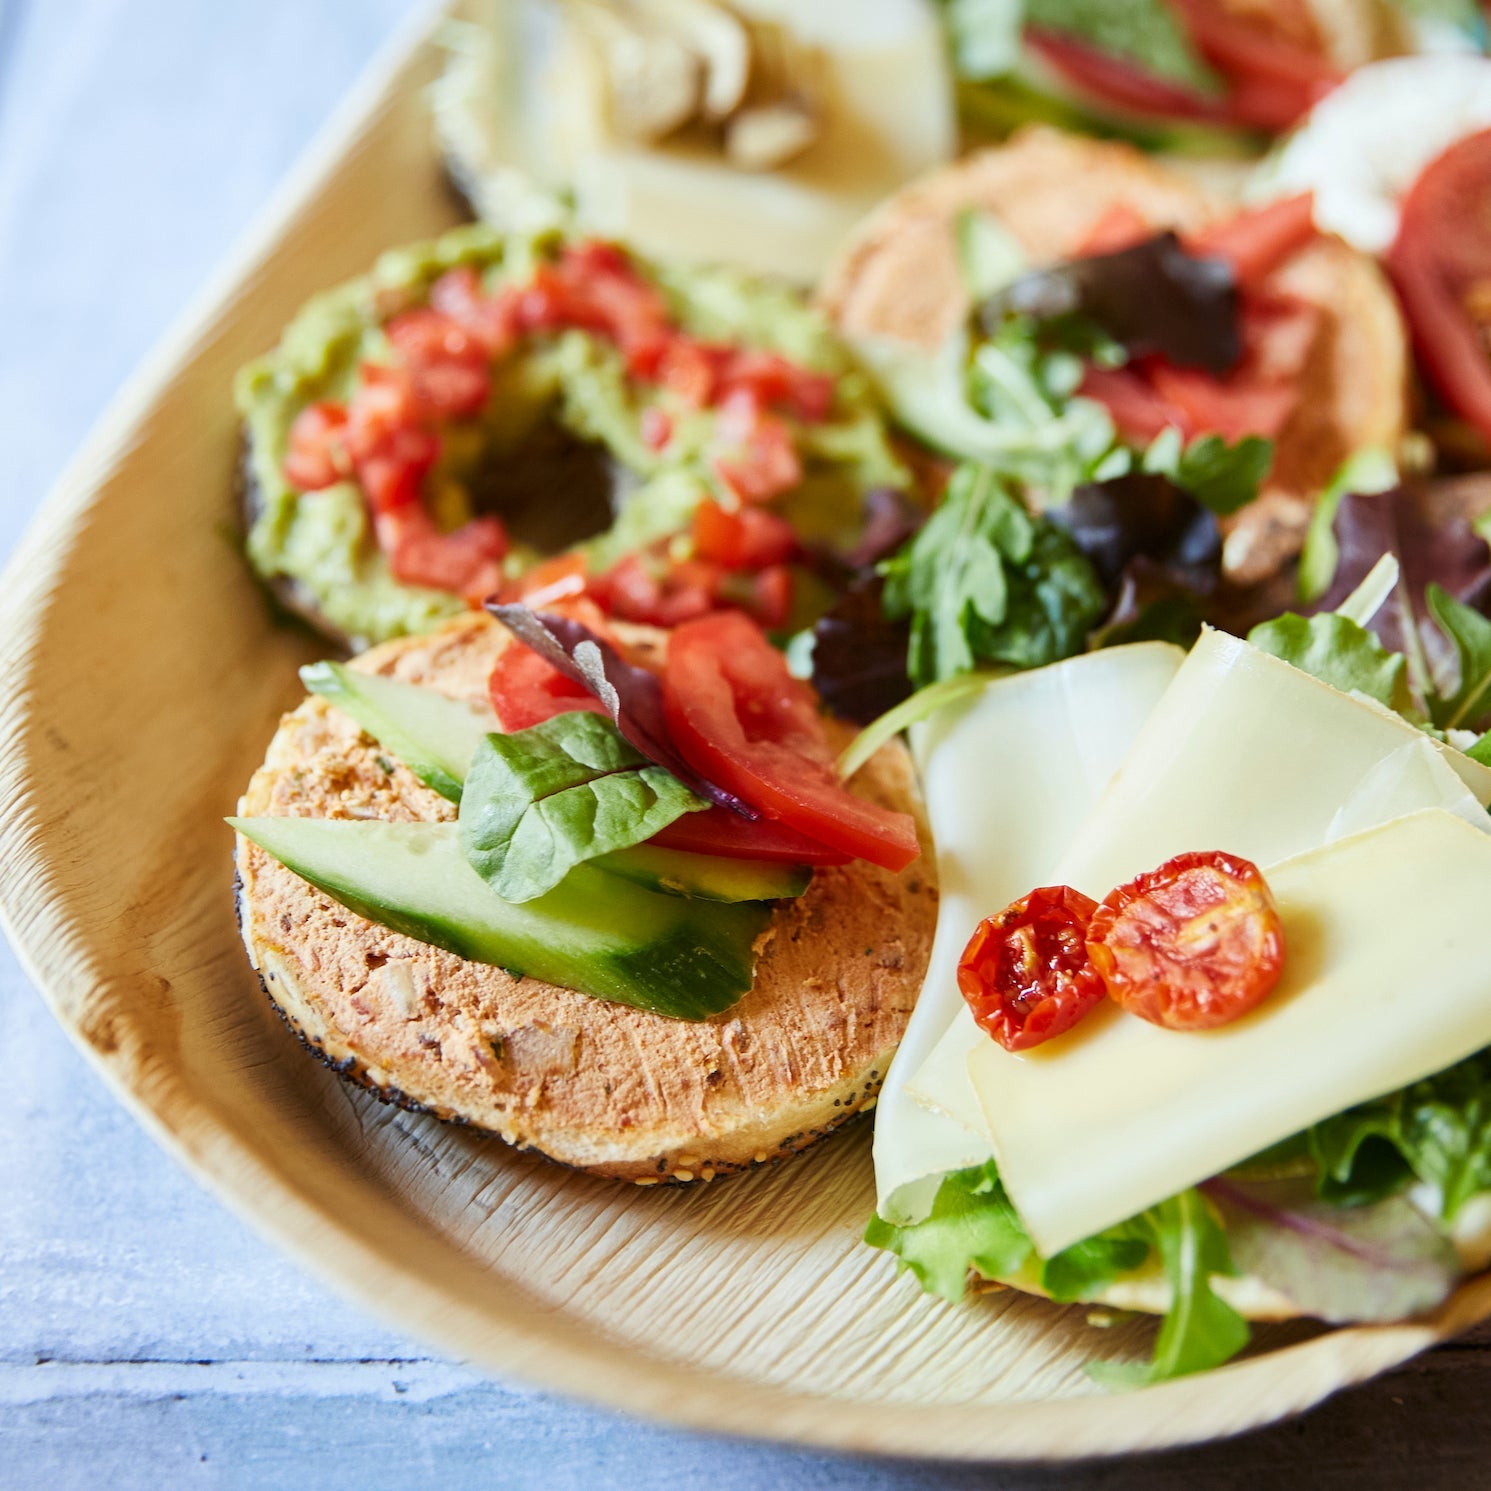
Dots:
(434, 735)
(595, 932)
(706, 877)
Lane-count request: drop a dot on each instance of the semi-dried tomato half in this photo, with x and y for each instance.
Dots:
(1192, 945)
(1026, 973)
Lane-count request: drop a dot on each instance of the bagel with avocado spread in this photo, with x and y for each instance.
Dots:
(404, 440)
(716, 996)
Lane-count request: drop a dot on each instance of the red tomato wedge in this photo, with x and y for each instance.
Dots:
(1026, 974)
(743, 721)
(719, 831)
(1192, 945)
(1440, 265)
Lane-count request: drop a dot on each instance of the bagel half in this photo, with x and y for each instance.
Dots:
(591, 1084)
(898, 278)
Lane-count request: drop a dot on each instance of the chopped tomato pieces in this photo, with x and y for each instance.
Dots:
(492, 320)
(1192, 945)
(1026, 974)
(749, 538)
(656, 593)
(317, 455)
(757, 458)
(465, 562)
(743, 721)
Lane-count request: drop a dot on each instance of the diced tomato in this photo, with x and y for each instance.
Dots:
(1440, 265)
(774, 381)
(317, 455)
(447, 364)
(384, 414)
(492, 320)
(465, 562)
(689, 370)
(657, 428)
(390, 485)
(748, 538)
(743, 721)
(654, 592)
(525, 690)
(719, 831)
(565, 577)
(1257, 242)
(1026, 974)
(771, 599)
(757, 458)
(1192, 945)
(425, 335)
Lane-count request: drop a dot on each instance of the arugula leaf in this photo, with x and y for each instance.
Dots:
(1151, 298)
(1470, 632)
(1338, 651)
(1200, 1330)
(1219, 476)
(633, 697)
(1386, 1261)
(1437, 1131)
(1144, 33)
(1087, 1268)
(984, 581)
(540, 801)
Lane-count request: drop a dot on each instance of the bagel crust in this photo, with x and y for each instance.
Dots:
(898, 278)
(589, 1083)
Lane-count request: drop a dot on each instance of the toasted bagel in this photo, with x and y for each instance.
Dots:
(595, 1085)
(898, 278)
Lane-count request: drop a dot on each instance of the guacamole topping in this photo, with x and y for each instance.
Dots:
(699, 419)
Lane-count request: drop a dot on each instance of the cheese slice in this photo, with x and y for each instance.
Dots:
(1386, 980)
(1008, 779)
(1249, 754)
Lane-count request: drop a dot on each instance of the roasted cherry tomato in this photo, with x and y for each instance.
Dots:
(741, 719)
(1194, 944)
(1025, 972)
(1441, 267)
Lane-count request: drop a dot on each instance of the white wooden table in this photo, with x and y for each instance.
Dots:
(147, 1339)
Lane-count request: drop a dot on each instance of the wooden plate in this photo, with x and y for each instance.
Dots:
(140, 678)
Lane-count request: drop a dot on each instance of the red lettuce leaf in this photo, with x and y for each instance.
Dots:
(1151, 298)
(859, 654)
(1386, 1261)
(633, 697)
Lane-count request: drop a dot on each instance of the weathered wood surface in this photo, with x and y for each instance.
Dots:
(145, 1337)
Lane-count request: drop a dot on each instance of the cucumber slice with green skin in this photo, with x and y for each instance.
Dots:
(434, 735)
(706, 877)
(595, 932)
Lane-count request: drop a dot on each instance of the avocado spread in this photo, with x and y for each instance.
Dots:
(322, 542)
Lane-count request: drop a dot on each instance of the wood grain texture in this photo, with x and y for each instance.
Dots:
(748, 1306)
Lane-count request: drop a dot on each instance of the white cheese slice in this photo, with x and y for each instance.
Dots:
(1249, 754)
(1385, 981)
(1008, 779)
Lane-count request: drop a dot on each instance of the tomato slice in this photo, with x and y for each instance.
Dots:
(525, 690)
(1026, 974)
(1109, 80)
(743, 721)
(1192, 945)
(1440, 265)
(1257, 242)
(719, 831)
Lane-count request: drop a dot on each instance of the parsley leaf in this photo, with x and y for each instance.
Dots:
(540, 801)
(984, 581)
(1219, 476)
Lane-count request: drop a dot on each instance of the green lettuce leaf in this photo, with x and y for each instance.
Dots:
(973, 1225)
(985, 582)
(1437, 1131)
(1336, 650)
(1220, 476)
(540, 801)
